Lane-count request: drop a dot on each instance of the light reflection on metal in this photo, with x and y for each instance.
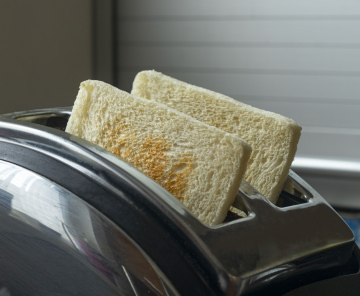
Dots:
(69, 223)
(130, 281)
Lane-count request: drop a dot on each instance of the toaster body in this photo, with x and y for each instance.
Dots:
(78, 220)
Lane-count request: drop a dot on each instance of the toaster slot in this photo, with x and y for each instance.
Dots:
(287, 199)
(55, 121)
(54, 118)
(291, 195)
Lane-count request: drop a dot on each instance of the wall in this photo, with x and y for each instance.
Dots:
(297, 58)
(45, 52)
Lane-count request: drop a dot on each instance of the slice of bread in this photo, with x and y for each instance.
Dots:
(200, 165)
(272, 137)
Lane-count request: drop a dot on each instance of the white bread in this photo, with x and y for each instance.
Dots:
(272, 137)
(200, 165)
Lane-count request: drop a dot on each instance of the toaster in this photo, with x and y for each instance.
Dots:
(78, 220)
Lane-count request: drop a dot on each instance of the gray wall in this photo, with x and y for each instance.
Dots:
(45, 52)
(298, 58)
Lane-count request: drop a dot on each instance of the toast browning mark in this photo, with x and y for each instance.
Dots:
(153, 157)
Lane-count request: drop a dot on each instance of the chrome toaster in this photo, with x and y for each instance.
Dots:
(78, 220)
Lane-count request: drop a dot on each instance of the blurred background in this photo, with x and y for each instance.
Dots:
(300, 59)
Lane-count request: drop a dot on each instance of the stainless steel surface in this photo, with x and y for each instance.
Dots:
(273, 237)
(52, 240)
(273, 244)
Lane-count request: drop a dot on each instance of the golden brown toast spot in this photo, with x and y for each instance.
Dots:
(151, 157)
(176, 183)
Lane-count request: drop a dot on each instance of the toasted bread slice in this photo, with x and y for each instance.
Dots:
(273, 137)
(200, 165)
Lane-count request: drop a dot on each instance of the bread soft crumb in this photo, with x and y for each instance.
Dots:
(273, 137)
